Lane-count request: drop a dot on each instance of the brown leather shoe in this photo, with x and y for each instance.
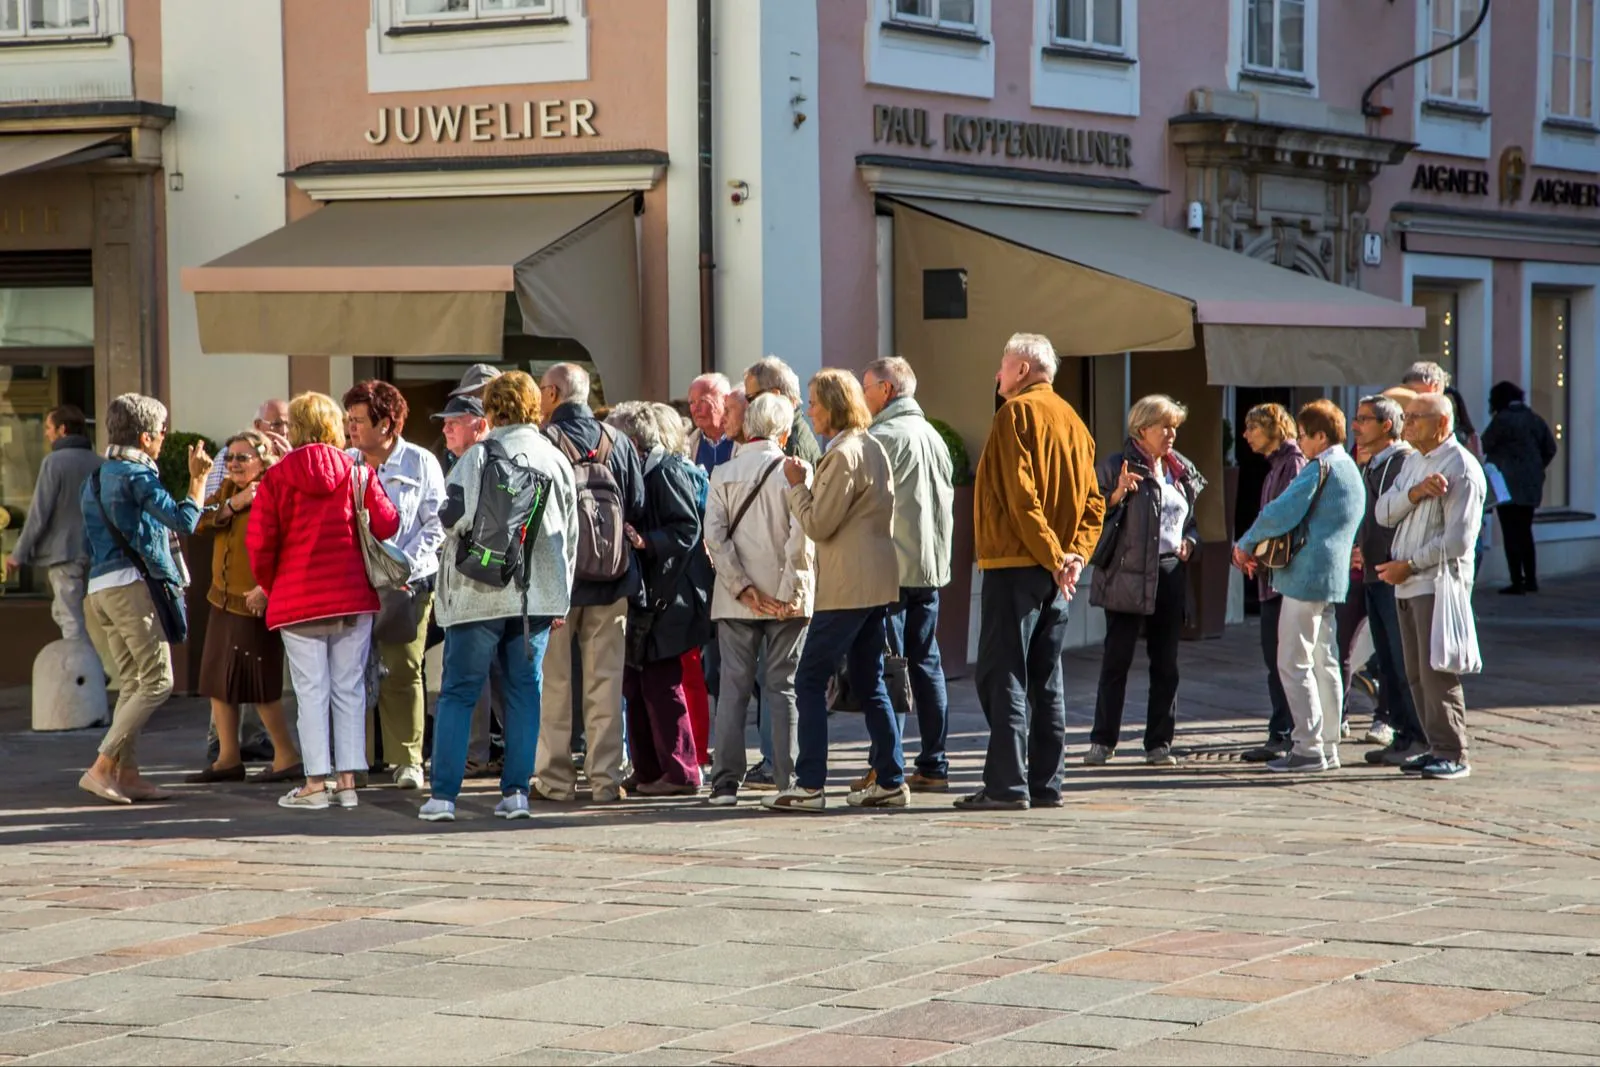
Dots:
(216, 774)
(864, 782)
(924, 783)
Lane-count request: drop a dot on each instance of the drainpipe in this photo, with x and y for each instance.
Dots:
(1373, 111)
(708, 340)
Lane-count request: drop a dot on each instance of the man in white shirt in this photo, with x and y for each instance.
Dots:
(1435, 507)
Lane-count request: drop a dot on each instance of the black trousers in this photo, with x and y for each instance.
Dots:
(1022, 629)
(1516, 530)
(1162, 629)
(1347, 620)
(1281, 726)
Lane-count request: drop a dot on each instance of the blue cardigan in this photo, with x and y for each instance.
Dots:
(1320, 571)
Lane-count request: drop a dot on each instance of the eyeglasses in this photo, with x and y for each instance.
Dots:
(239, 457)
(278, 425)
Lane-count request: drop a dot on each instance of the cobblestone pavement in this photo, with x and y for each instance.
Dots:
(1202, 914)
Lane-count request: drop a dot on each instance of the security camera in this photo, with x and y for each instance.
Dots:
(1197, 216)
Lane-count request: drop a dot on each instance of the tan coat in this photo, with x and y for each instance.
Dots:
(849, 514)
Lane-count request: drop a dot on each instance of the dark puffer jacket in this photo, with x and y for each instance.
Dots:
(1127, 581)
(1520, 443)
(673, 613)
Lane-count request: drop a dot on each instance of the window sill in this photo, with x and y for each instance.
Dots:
(1269, 77)
(57, 42)
(441, 28)
(1557, 515)
(1572, 126)
(937, 33)
(1449, 109)
(1087, 55)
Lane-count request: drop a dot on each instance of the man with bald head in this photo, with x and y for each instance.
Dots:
(1435, 507)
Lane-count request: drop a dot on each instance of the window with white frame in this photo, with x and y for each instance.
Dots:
(1453, 76)
(49, 18)
(1275, 36)
(946, 14)
(1095, 24)
(444, 12)
(1572, 61)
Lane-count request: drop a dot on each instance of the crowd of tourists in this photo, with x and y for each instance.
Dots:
(617, 590)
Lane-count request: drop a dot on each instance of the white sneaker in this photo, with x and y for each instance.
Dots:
(317, 800)
(876, 796)
(1330, 756)
(436, 810)
(408, 777)
(345, 798)
(796, 799)
(1381, 733)
(514, 806)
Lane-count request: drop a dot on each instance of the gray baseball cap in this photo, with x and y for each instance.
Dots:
(478, 375)
(460, 405)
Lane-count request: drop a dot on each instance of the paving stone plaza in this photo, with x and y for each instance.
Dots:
(1203, 914)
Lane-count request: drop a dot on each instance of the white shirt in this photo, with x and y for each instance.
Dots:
(113, 580)
(1439, 530)
(1174, 514)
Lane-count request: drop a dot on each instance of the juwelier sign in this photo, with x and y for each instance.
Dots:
(524, 120)
(980, 135)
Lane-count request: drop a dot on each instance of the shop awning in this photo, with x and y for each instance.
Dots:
(1125, 285)
(20, 153)
(430, 277)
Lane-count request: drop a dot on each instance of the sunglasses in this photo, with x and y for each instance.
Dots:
(239, 457)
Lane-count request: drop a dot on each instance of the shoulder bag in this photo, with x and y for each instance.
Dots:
(167, 597)
(387, 567)
(744, 505)
(1276, 553)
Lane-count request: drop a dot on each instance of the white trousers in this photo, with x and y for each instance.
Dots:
(329, 674)
(1308, 665)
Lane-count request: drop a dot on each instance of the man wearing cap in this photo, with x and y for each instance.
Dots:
(463, 426)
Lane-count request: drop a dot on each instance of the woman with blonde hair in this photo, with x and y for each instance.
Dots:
(305, 552)
(848, 512)
(1270, 431)
(1141, 577)
(242, 662)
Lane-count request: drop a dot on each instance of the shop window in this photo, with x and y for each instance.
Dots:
(1437, 341)
(1572, 90)
(1453, 76)
(1551, 387)
(32, 19)
(447, 12)
(1091, 24)
(28, 391)
(960, 15)
(944, 294)
(1275, 37)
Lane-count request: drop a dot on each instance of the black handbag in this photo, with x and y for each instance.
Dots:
(1276, 553)
(1105, 549)
(399, 615)
(166, 596)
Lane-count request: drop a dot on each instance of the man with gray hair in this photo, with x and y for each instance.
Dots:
(772, 375)
(1037, 513)
(272, 419)
(1425, 377)
(1382, 454)
(924, 522)
(1435, 507)
(710, 443)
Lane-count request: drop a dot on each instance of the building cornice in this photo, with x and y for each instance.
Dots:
(576, 172)
(1444, 221)
(939, 180)
(1303, 147)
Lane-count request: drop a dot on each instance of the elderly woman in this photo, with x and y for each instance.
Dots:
(762, 601)
(128, 522)
(1140, 575)
(848, 512)
(305, 552)
(242, 662)
(699, 664)
(1269, 430)
(672, 615)
(1518, 441)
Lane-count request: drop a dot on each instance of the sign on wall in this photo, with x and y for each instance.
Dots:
(975, 135)
(506, 120)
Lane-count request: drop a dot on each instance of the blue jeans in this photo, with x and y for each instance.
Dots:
(1383, 619)
(468, 650)
(856, 635)
(913, 633)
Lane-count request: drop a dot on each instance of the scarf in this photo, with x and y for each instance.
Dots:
(174, 546)
(1174, 468)
(132, 455)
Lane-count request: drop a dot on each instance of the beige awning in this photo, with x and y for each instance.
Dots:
(430, 278)
(20, 153)
(1109, 283)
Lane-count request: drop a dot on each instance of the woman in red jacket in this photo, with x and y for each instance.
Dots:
(306, 557)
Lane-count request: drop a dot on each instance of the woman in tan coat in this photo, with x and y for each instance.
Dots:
(849, 514)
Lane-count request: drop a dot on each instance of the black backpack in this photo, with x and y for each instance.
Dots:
(512, 496)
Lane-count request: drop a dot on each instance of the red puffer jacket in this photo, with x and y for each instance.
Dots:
(302, 537)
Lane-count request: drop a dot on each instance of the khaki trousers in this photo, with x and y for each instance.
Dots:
(601, 633)
(125, 618)
(1441, 704)
(402, 706)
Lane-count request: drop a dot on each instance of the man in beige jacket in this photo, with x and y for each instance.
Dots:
(762, 600)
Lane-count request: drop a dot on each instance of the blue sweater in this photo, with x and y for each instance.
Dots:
(1321, 568)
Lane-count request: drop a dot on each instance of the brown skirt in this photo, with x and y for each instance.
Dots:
(243, 660)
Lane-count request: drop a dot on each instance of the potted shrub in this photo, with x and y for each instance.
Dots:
(955, 599)
(174, 465)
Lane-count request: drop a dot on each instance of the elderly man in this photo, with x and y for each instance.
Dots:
(709, 443)
(610, 488)
(1435, 508)
(272, 419)
(1038, 512)
(772, 375)
(463, 426)
(733, 416)
(1378, 425)
(924, 519)
(52, 534)
(1427, 378)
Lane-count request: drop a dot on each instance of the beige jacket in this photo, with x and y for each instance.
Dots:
(769, 550)
(849, 513)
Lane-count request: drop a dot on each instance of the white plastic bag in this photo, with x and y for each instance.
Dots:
(1499, 493)
(1455, 635)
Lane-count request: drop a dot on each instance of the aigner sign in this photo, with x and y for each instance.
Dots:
(975, 135)
(523, 120)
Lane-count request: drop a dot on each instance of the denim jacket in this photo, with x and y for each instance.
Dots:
(142, 509)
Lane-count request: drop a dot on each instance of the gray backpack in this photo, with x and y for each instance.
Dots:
(602, 547)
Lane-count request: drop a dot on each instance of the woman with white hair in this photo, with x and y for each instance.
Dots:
(672, 614)
(135, 593)
(1141, 575)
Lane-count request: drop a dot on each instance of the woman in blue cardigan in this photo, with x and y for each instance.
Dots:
(1322, 508)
